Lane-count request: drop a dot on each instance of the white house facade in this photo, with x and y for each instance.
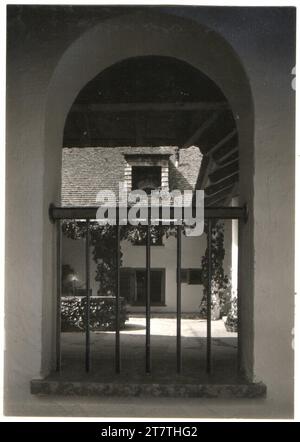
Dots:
(87, 171)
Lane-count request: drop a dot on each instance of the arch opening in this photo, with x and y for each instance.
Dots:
(225, 159)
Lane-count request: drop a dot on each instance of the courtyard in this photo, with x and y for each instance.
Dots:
(163, 352)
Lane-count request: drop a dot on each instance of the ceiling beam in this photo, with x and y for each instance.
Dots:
(225, 171)
(208, 161)
(205, 169)
(222, 192)
(234, 192)
(220, 196)
(224, 200)
(213, 189)
(217, 202)
(148, 106)
(222, 157)
(222, 142)
(194, 138)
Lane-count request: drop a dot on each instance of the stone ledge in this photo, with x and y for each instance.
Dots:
(87, 388)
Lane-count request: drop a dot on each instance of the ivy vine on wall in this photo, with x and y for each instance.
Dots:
(103, 241)
(220, 284)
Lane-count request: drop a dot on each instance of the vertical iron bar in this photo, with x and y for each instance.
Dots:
(117, 344)
(58, 295)
(239, 341)
(148, 300)
(87, 313)
(208, 306)
(178, 299)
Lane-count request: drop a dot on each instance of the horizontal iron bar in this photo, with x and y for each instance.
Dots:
(85, 212)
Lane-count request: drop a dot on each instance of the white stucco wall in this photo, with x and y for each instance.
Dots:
(165, 257)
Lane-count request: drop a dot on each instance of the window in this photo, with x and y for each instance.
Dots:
(195, 276)
(191, 276)
(184, 276)
(146, 178)
(133, 286)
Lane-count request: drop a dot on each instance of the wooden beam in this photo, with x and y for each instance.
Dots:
(208, 160)
(148, 106)
(222, 142)
(218, 201)
(117, 142)
(197, 134)
(224, 201)
(222, 157)
(234, 192)
(205, 169)
(213, 189)
(220, 196)
(225, 171)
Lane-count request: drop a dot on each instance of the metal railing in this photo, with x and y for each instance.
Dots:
(57, 214)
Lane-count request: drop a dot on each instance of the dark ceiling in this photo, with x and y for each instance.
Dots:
(154, 101)
(149, 79)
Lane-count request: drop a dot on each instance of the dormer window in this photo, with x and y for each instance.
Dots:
(146, 178)
(147, 171)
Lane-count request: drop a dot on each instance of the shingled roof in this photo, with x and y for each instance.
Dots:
(86, 171)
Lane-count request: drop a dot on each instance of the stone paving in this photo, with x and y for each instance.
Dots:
(150, 407)
(163, 352)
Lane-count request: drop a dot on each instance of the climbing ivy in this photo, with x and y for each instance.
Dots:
(220, 284)
(103, 243)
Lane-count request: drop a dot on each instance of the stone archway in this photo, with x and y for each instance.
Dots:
(142, 34)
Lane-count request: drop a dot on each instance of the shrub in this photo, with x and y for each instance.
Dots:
(102, 313)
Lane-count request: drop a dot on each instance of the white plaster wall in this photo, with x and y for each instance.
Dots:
(26, 340)
(268, 58)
